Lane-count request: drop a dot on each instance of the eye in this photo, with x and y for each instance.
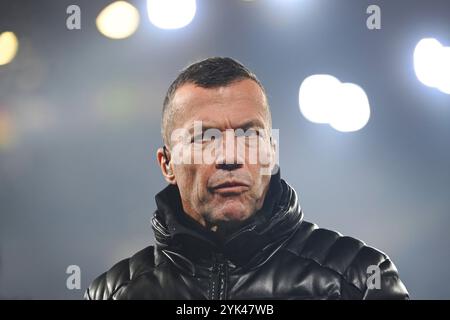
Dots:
(239, 133)
(211, 135)
(205, 137)
(198, 139)
(251, 133)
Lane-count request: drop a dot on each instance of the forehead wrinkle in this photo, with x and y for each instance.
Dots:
(192, 95)
(245, 124)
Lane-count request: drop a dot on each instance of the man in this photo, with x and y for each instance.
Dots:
(227, 226)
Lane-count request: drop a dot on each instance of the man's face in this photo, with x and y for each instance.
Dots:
(231, 187)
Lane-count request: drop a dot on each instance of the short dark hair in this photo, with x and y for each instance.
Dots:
(209, 73)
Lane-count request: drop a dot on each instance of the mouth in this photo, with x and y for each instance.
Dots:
(232, 187)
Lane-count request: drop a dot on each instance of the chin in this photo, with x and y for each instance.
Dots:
(233, 212)
(230, 209)
(234, 216)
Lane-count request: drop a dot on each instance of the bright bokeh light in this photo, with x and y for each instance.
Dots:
(352, 110)
(118, 20)
(171, 14)
(314, 104)
(324, 99)
(443, 77)
(8, 47)
(432, 64)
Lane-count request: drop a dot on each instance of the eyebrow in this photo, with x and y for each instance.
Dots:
(254, 123)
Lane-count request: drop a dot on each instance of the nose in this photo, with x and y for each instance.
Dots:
(229, 156)
(228, 166)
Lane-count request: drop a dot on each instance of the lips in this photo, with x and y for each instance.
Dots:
(230, 187)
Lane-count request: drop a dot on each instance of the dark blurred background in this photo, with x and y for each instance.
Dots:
(79, 129)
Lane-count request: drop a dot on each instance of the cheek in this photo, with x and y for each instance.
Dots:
(260, 161)
(260, 181)
(185, 176)
(255, 172)
(192, 180)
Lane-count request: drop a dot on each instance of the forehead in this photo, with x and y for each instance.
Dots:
(222, 107)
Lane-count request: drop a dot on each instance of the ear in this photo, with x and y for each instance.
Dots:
(166, 165)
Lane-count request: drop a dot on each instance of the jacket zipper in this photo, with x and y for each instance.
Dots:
(218, 285)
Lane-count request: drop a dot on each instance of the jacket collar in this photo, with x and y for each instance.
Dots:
(264, 233)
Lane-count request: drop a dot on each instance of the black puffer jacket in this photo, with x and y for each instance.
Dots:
(276, 255)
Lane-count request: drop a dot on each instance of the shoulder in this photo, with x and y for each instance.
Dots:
(350, 259)
(108, 283)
